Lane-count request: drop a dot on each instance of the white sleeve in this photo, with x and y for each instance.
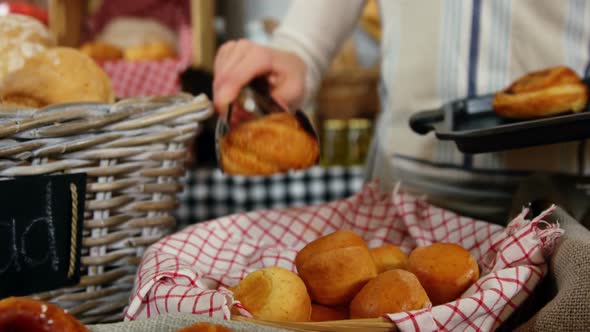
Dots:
(315, 31)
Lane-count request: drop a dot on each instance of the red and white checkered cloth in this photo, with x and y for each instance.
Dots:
(189, 271)
(148, 78)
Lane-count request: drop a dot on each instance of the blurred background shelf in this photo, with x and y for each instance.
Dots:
(344, 111)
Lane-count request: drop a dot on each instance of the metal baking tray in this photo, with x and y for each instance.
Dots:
(474, 127)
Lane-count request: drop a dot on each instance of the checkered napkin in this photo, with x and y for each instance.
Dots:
(189, 271)
(148, 78)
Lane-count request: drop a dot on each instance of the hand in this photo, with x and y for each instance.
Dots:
(238, 62)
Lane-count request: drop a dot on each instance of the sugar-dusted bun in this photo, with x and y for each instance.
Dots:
(57, 75)
(542, 93)
(389, 257)
(390, 292)
(21, 38)
(446, 270)
(320, 313)
(205, 327)
(274, 293)
(271, 144)
(335, 267)
(127, 31)
(20, 314)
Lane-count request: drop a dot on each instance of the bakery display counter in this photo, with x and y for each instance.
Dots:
(210, 194)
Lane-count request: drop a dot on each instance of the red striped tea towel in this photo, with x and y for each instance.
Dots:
(189, 271)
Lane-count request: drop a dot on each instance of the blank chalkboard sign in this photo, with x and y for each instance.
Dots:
(41, 221)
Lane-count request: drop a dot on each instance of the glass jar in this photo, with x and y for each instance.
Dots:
(359, 140)
(334, 142)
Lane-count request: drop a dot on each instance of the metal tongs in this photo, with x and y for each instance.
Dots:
(254, 101)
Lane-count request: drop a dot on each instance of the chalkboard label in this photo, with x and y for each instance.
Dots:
(41, 221)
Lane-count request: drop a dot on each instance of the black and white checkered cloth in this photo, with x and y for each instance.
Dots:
(210, 194)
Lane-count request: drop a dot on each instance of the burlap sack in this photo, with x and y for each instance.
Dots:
(562, 301)
(172, 323)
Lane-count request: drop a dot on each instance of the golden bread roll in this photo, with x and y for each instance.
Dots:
(22, 37)
(154, 50)
(542, 93)
(21, 314)
(268, 145)
(445, 270)
(205, 327)
(54, 76)
(99, 50)
(335, 267)
(320, 313)
(390, 292)
(389, 257)
(274, 293)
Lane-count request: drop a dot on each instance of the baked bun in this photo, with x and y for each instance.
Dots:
(542, 93)
(205, 327)
(22, 37)
(20, 314)
(274, 293)
(154, 50)
(335, 267)
(54, 76)
(127, 31)
(320, 313)
(390, 292)
(389, 257)
(268, 145)
(101, 51)
(445, 270)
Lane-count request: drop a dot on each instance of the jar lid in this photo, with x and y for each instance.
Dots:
(334, 124)
(359, 123)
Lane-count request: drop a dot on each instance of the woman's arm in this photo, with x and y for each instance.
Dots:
(315, 31)
(304, 45)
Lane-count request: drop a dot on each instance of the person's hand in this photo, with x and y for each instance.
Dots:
(238, 62)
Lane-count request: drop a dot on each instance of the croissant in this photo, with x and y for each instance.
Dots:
(268, 145)
(542, 93)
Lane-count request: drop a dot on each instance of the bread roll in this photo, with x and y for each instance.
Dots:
(54, 76)
(320, 313)
(205, 327)
(271, 144)
(101, 51)
(389, 257)
(154, 50)
(542, 93)
(390, 292)
(21, 314)
(335, 267)
(22, 37)
(274, 293)
(125, 32)
(445, 270)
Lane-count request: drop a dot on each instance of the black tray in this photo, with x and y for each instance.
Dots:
(475, 128)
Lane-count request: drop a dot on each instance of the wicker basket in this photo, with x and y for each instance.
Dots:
(133, 153)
